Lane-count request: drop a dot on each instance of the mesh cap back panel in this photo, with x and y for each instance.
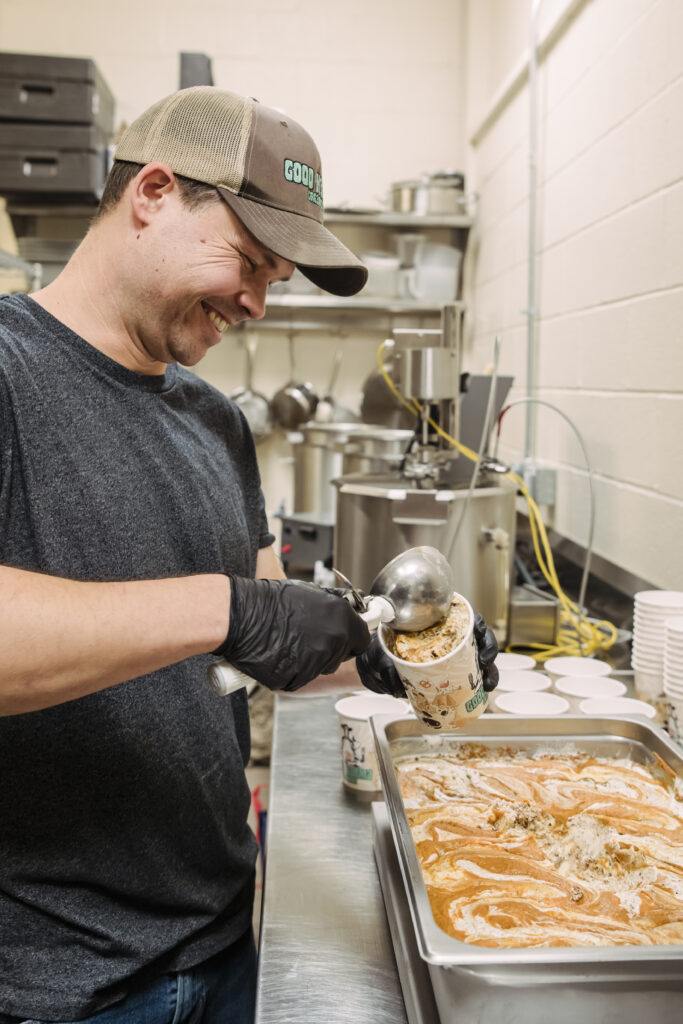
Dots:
(200, 133)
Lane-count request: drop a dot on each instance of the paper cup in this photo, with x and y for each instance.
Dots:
(649, 685)
(523, 682)
(578, 688)
(597, 706)
(507, 662)
(358, 758)
(533, 702)
(448, 692)
(570, 666)
(674, 718)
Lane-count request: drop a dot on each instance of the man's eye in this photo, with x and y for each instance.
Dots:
(248, 262)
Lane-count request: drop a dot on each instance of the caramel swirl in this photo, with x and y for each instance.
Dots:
(548, 849)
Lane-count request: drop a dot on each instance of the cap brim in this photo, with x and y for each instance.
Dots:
(318, 254)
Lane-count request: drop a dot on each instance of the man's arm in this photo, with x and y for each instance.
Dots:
(268, 565)
(61, 639)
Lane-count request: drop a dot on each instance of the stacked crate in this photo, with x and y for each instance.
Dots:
(56, 124)
(56, 121)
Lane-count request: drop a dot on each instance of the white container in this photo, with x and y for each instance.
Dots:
(649, 685)
(437, 272)
(659, 599)
(506, 662)
(578, 688)
(534, 703)
(358, 758)
(674, 718)
(597, 706)
(446, 692)
(383, 277)
(523, 682)
(569, 666)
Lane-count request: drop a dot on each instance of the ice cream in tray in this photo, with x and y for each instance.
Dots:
(540, 834)
(547, 848)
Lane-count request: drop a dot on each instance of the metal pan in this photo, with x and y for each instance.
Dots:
(253, 404)
(295, 402)
(651, 966)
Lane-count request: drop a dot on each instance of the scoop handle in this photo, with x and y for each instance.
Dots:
(225, 678)
(379, 609)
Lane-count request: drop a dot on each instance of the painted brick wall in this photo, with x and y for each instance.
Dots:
(610, 263)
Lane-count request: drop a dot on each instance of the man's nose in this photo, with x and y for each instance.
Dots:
(253, 299)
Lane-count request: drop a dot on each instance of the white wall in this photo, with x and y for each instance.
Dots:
(378, 83)
(381, 84)
(610, 259)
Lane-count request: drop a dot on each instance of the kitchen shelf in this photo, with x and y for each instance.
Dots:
(382, 218)
(333, 315)
(378, 304)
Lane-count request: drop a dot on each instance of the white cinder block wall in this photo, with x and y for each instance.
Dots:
(390, 89)
(378, 83)
(609, 247)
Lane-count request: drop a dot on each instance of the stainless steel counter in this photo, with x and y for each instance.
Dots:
(325, 948)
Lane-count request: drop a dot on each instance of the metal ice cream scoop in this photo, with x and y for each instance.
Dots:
(419, 585)
(413, 591)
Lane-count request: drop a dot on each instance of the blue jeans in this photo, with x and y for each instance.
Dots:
(220, 991)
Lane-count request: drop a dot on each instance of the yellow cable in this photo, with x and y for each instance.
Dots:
(576, 635)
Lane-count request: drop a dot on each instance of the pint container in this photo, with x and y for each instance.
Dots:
(447, 692)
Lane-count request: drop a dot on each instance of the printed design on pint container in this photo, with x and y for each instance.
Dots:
(353, 756)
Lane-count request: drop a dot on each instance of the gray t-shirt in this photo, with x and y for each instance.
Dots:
(124, 847)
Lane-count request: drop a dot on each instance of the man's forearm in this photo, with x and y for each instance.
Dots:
(61, 639)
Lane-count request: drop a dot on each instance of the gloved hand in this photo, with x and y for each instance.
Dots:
(284, 633)
(377, 672)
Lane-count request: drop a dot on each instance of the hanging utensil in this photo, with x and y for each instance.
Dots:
(253, 404)
(296, 401)
(329, 410)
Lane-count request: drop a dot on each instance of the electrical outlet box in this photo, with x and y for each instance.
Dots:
(534, 616)
(541, 481)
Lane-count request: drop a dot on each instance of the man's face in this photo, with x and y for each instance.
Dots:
(204, 272)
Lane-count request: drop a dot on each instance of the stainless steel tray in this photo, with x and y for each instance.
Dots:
(655, 966)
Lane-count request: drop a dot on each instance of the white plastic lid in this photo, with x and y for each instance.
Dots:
(597, 686)
(362, 707)
(616, 706)
(523, 682)
(506, 662)
(577, 667)
(537, 703)
(659, 598)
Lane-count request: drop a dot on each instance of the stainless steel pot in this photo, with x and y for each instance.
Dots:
(440, 193)
(324, 451)
(380, 516)
(375, 450)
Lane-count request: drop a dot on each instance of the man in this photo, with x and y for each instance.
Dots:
(134, 545)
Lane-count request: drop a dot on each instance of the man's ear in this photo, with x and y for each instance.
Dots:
(150, 189)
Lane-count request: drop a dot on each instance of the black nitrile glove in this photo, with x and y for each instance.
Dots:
(487, 650)
(377, 672)
(284, 633)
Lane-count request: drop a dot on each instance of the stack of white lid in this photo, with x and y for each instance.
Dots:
(673, 658)
(652, 609)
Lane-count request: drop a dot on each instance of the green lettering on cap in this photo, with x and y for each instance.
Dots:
(301, 174)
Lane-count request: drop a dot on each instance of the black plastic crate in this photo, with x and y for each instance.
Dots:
(67, 90)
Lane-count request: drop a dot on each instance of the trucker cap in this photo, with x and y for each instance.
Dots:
(265, 166)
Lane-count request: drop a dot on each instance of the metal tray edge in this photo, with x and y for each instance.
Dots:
(435, 946)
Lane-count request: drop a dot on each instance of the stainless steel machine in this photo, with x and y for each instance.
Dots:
(429, 498)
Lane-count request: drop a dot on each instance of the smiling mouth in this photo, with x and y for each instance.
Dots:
(216, 319)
